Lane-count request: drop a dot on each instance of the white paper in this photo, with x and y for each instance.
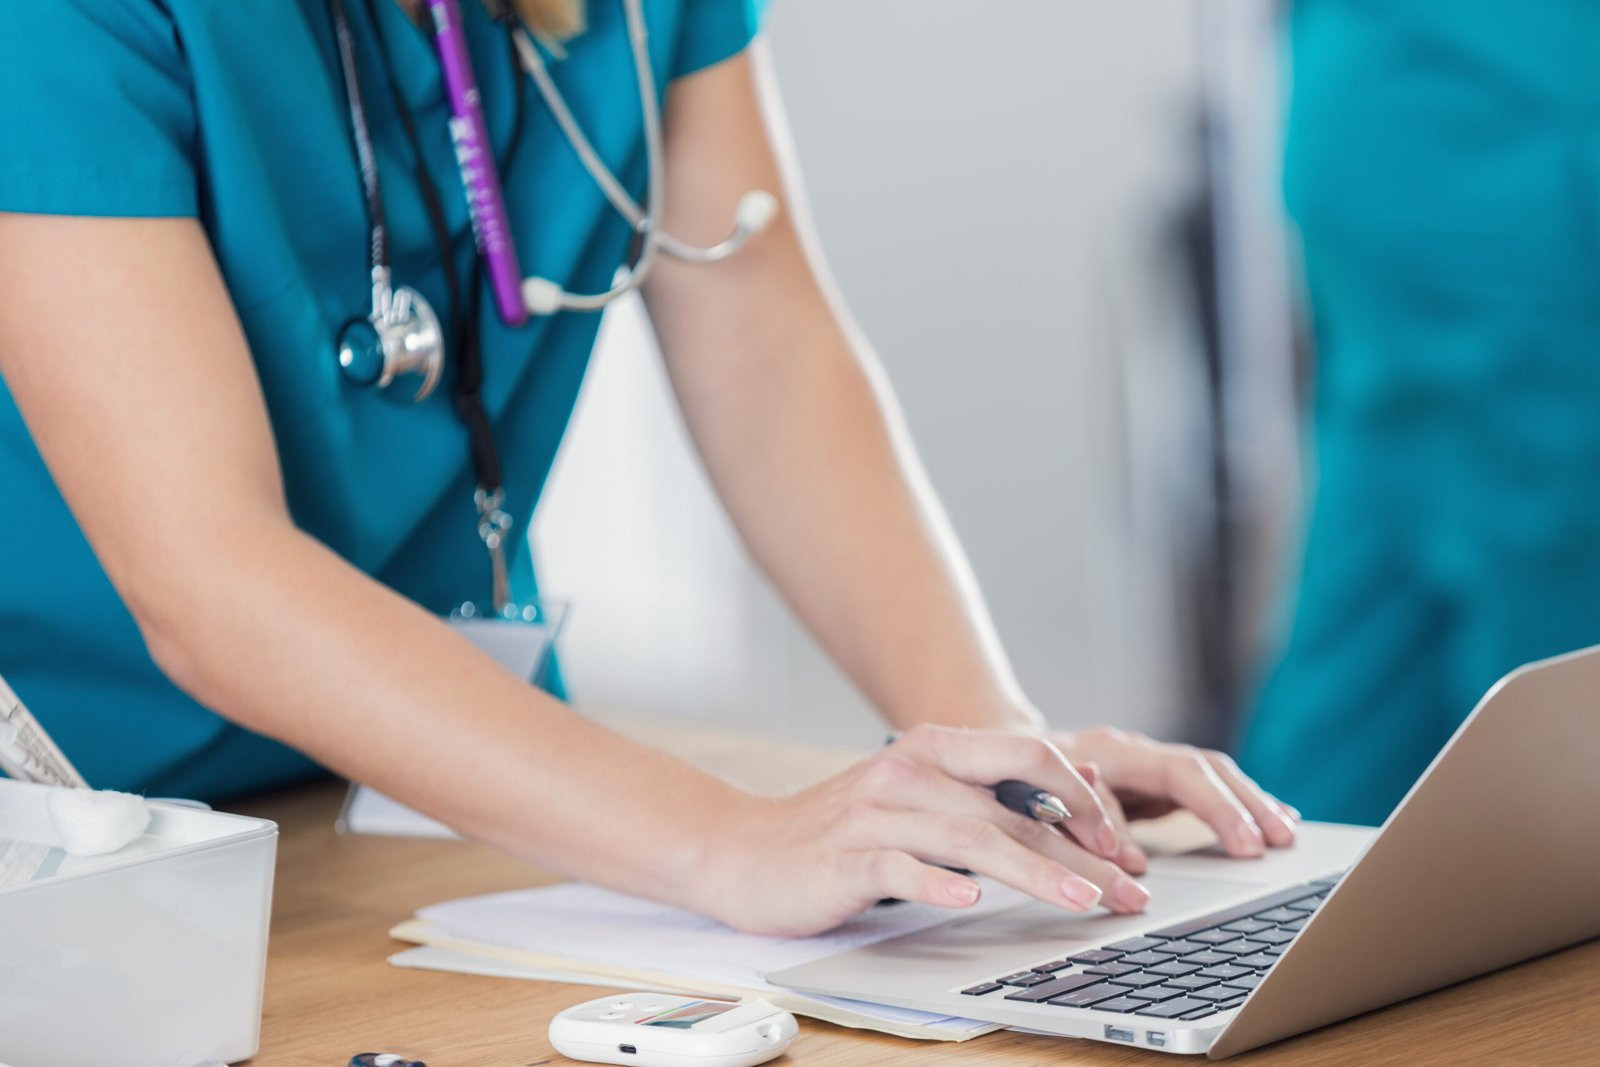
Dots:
(367, 811)
(437, 958)
(602, 928)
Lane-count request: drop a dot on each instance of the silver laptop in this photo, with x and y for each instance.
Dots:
(1492, 858)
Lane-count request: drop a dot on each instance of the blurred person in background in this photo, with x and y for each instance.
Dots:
(1443, 168)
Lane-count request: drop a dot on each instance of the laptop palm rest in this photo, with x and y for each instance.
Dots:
(932, 962)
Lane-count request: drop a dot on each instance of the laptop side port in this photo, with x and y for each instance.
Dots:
(1120, 1033)
(1156, 1039)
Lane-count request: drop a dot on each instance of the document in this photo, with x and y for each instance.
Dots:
(575, 927)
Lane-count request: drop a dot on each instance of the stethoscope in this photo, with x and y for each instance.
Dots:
(401, 335)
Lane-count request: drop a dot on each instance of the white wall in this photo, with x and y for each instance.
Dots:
(986, 179)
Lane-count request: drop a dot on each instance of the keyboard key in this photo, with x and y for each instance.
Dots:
(1157, 993)
(1209, 1009)
(1219, 918)
(1261, 961)
(1136, 944)
(1139, 980)
(1247, 983)
(1226, 971)
(1182, 948)
(1097, 955)
(1305, 907)
(1122, 1004)
(1194, 981)
(1024, 978)
(1246, 926)
(1211, 937)
(1242, 946)
(1111, 970)
(1278, 915)
(1294, 927)
(1274, 937)
(1275, 951)
(1219, 994)
(1208, 958)
(1052, 967)
(1054, 988)
(1171, 1009)
(981, 989)
(1145, 959)
(1089, 994)
(1326, 883)
(1174, 968)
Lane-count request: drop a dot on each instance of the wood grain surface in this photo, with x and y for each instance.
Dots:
(330, 993)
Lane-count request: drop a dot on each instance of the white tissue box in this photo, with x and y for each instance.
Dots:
(152, 956)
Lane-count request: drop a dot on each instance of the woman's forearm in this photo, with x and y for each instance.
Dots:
(800, 434)
(819, 475)
(285, 638)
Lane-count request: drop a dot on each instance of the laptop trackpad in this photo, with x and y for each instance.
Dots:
(1036, 924)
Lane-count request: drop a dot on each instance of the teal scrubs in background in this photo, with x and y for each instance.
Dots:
(1443, 167)
(233, 111)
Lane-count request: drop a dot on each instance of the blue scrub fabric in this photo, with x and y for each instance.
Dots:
(1443, 168)
(234, 113)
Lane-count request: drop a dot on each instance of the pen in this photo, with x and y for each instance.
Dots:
(1027, 799)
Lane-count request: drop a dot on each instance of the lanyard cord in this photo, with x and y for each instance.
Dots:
(365, 159)
(493, 522)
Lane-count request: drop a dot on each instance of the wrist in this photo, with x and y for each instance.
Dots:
(1011, 712)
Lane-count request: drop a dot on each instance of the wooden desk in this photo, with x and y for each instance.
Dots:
(330, 994)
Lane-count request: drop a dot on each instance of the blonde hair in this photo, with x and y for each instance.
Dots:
(557, 19)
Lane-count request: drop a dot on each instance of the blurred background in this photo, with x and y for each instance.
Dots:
(1060, 226)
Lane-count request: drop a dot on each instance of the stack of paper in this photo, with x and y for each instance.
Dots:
(579, 933)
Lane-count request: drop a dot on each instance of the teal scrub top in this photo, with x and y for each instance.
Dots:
(1443, 170)
(234, 113)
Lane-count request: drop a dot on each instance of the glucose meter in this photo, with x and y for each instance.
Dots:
(658, 1030)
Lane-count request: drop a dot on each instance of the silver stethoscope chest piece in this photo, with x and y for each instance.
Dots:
(400, 337)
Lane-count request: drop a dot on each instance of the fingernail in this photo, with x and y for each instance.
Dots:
(1081, 894)
(1106, 837)
(1293, 813)
(1250, 841)
(1129, 895)
(962, 891)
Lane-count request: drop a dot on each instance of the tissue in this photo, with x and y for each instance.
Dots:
(93, 822)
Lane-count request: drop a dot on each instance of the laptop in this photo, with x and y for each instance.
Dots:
(1492, 858)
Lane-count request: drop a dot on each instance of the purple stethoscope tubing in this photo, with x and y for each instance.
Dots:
(485, 199)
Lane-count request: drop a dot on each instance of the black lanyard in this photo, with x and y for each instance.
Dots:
(467, 390)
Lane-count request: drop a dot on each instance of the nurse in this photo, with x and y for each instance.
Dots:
(225, 562)
(1443, 168)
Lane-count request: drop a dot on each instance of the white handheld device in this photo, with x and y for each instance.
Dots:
(660, 1030)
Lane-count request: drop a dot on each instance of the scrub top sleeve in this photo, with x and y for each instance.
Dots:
(96, 111)
(714, 30)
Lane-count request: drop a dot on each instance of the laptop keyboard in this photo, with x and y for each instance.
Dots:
(1185, 971)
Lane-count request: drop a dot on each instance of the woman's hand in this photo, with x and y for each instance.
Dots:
(890, 825)
(1137, 778)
